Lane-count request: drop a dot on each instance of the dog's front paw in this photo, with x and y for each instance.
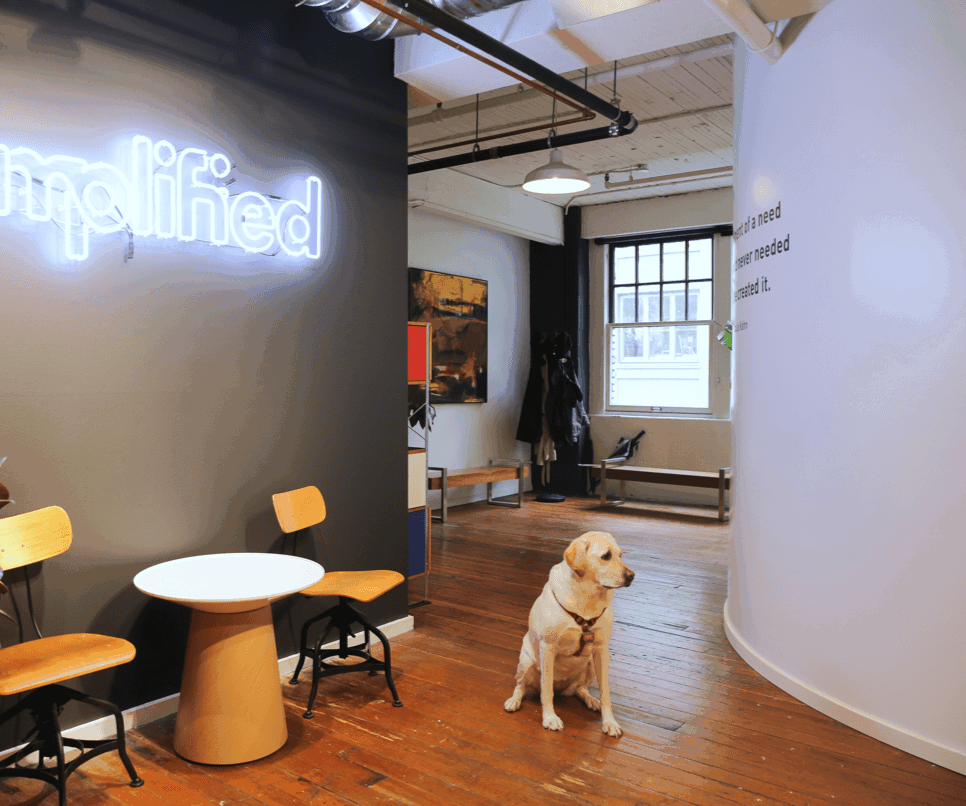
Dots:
(552, 722)
(513, 704)
(611, 728)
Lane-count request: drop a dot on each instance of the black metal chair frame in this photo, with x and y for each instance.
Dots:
(45, 737)
(342, 617)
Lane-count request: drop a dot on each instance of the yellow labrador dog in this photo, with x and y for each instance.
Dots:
(570, 627)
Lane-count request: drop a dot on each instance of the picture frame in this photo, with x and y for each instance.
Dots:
(456, 307)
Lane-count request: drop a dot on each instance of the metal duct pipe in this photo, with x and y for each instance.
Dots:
(493, 47)
(749, 26)
(355, 17)
(528, 147)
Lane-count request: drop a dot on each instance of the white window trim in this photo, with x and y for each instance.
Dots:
(610, 408)
(719, 375)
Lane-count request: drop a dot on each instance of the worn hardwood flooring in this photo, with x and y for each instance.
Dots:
(700, 726)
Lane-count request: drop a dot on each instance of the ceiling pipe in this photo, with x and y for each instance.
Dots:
(662, 181)
(444, 143)
(357, 17)
(503, 133)
(750, 27)
(576, 138)
(441, 113)
(428, 30)
(515, 149)
(654, 181)
(493, 47)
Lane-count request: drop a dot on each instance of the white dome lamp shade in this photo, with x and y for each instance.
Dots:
(556, 177)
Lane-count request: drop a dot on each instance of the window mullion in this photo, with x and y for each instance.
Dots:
(660, 285)
(612, 314)
(637, 283)
(686, 275)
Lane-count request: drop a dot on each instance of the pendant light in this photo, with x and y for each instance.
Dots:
(556, 177)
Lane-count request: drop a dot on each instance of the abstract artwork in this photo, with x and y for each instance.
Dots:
(455, 307)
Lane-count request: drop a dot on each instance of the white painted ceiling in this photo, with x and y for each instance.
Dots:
(684, 111)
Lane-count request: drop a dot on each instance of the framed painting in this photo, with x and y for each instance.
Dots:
(456, 309)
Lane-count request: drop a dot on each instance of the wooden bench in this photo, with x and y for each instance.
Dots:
(612, 469)
(497, 470)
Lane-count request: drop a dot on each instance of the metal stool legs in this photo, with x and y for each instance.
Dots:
(47, 741)
(342, 617)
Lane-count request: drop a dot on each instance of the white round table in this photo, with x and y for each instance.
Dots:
(230, 710)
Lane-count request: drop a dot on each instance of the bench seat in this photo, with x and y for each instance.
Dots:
(610, 469)
(497, 470)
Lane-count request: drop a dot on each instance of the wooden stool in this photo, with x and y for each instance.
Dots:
(300, 509)
(38, 667)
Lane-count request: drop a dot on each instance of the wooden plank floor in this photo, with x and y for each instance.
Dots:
(700, 726)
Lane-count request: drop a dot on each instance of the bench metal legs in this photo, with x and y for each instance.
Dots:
(443, 488)
(704, 481)
(603, 484)
(722, 471)
(518, 464)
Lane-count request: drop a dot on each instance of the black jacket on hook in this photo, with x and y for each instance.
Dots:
(530, 427)
(564, 398)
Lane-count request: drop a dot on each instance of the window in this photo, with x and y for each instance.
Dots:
(660, 327)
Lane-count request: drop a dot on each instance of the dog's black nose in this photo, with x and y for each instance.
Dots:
(628, 577)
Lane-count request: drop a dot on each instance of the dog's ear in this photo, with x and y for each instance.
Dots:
(576, 556)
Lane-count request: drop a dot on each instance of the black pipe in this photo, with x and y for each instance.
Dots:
(493, 47)
(513, 149)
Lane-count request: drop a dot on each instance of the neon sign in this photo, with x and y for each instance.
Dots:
(165, 193)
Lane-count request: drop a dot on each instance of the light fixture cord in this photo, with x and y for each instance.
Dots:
(553, 129)
(614, 128)
(476, 144)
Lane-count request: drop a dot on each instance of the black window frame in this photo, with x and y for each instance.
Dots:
(663, 238)
(637, 241)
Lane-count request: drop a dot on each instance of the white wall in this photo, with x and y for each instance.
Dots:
(846, 584)
(470, 434)
(682, 442)
(474, 201)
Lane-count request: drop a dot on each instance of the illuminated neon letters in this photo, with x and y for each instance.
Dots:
(164, 193)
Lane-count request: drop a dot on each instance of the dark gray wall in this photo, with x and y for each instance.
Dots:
(162, 400)
(560, 302)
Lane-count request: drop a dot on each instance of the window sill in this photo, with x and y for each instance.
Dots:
(658, 415)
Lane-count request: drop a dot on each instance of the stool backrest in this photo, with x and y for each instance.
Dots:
(33, 536)
(299, 509)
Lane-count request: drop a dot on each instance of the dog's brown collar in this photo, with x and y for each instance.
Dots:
(586, 636)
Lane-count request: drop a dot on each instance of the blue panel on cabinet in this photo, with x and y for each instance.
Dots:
(417, 542)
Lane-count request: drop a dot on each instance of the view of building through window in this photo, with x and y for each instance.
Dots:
(660, 317)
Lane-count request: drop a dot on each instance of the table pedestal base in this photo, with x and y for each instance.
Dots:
(230, 709)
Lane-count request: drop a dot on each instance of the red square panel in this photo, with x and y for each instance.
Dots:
(417, 352)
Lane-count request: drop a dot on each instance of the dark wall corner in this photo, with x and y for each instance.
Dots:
(560, 301)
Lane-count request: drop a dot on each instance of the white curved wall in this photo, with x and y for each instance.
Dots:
(848, 551)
